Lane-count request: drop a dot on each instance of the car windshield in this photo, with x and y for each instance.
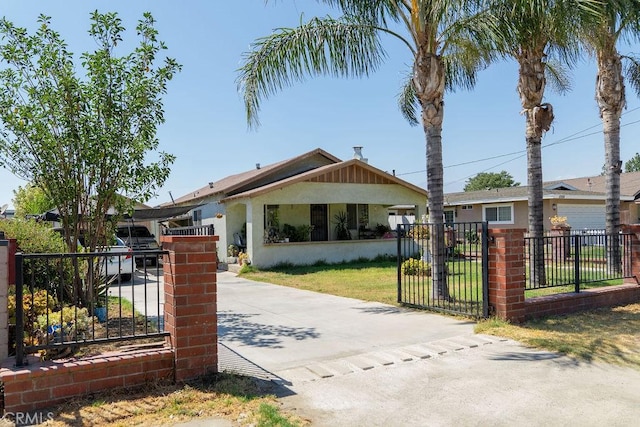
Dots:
(134, 232)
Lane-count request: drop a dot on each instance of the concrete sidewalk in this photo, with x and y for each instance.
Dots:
(345, 362)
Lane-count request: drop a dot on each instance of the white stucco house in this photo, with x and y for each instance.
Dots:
(287, 212)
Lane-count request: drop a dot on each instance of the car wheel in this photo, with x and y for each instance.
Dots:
(125, 277)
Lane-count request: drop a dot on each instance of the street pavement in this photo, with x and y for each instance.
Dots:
(344, 362)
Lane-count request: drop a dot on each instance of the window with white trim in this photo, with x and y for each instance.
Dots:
(449, 216)
(498, 214)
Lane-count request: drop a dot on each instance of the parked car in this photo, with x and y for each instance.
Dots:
(121, 262)
(139, 238)
(119, 265)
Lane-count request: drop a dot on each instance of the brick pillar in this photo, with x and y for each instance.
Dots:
(190, 286)
(507, 273)
(5, 264)
(632, 261)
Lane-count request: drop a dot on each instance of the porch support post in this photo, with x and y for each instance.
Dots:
(507, 274)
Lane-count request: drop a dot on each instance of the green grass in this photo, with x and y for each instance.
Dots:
(610, 335)
(365, 280)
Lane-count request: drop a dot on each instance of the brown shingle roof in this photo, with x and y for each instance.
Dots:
(511, 194)
(253, 178)
(313, 175)
(629, 183)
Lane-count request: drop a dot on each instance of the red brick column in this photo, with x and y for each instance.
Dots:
(190, 286)
(634, 262)
(507, 273)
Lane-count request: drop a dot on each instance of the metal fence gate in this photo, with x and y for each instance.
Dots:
(444, 267)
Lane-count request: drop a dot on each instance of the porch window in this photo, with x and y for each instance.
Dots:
(271, 222)
(498, 214)
(357, 216)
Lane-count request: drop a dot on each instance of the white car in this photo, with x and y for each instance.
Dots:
(120, 264)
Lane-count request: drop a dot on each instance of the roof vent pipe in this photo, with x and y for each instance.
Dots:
(357, 154)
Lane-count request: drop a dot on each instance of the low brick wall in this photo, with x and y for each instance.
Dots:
(588, 299)
(507, 283)
(190, 351)
(43, 384)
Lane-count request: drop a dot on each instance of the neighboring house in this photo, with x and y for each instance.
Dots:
(581, 200)
(261, 209)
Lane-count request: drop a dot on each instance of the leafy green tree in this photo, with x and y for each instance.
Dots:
(83, 132)
(602, 32)
(490, 180)
(31, 200)
(442, 38)
(633, 164)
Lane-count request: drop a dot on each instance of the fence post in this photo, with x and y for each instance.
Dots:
(632, 259)
(507, 273)
(5, 262)
(190, 303)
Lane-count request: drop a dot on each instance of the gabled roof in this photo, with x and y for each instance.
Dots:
(348, 172)
(261, 175)
(629, 183)
(514, 194)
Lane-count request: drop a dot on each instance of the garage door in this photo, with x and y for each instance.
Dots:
(583, 216)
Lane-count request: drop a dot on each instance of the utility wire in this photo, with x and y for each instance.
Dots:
(573, 137)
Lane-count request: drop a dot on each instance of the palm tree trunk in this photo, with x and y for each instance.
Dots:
(535, 197)
(531, 85)
(611, 101)
(429, 84)
(439, 290)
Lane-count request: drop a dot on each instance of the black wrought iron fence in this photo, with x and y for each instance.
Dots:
(444, 268)
(579, 258)
(64, 302)
(194, 230)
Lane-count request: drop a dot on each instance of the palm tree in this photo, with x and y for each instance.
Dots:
(536, 33)
(617, 20)
(439, 36)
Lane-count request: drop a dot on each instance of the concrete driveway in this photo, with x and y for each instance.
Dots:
(345, 362)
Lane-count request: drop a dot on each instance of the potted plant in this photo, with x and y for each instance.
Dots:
(340, 222)
(232, 253)
(243, 258)
(559, 222)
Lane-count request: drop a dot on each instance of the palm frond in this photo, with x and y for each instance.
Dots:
(558, 77)
(632, 71)
(408, 101)
(345, 47)
(380, 12)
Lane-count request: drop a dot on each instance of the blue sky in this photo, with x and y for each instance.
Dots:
(205, 120)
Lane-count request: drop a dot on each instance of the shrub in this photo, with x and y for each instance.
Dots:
(34, 238)
(67, 325)
(416, 267)
(34, 305)
(472, 236)
(419, 232)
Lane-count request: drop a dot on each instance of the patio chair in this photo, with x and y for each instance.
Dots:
(238, 240)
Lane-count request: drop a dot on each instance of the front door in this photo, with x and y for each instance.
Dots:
(319, 223)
